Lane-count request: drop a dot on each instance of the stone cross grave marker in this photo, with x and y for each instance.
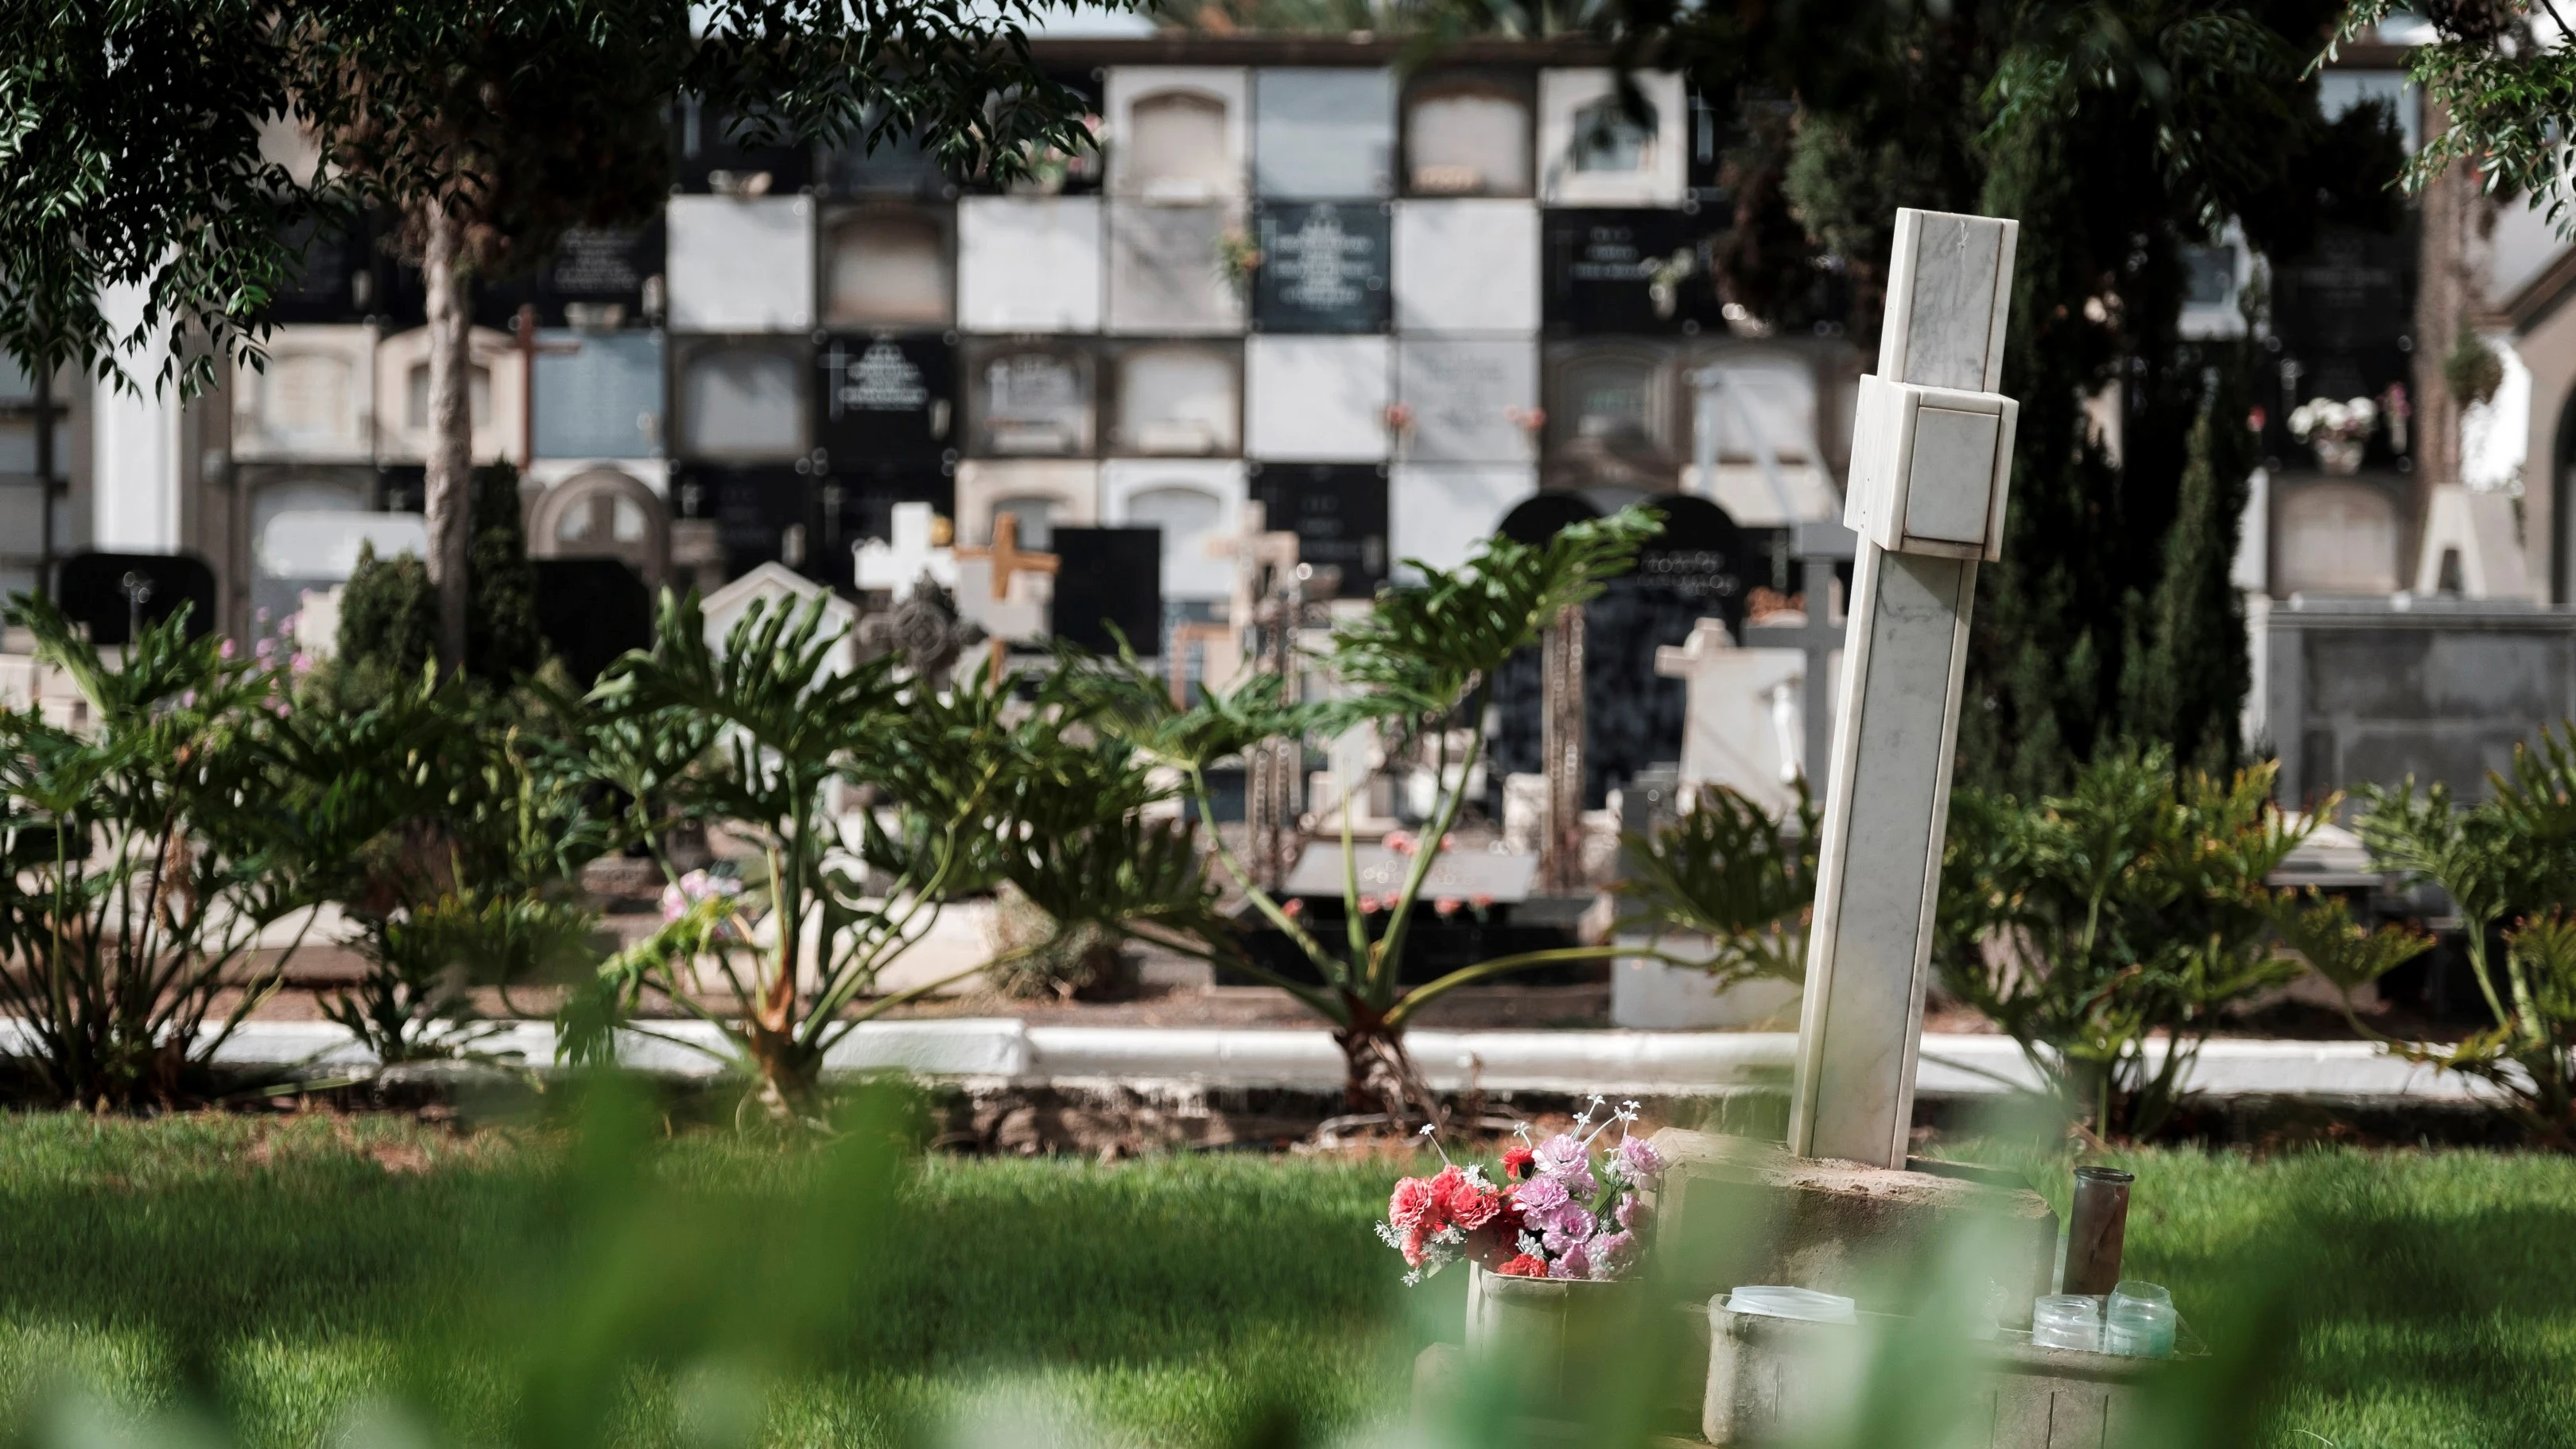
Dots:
(1818, 634)
(1734, 735)
(913, 554)
(1269, 604)
(1931, 459)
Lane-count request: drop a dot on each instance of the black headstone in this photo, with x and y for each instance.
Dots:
(1338, 512)
(1109, 578)
(753, 509)
(108, 591)
(1323, 267)
(2344, 319)
(1539, 518)
(590, 611)
(1604, 269)
(884, 400)
(598, 268)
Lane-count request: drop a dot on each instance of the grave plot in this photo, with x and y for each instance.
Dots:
(741, 264)
(884, 401)
(1323, 134)
(1468, 133)
(1599, 148)
(1030, 398)
(1041, 496)
(1438, 513)
(1194, 503)
(1323, 267)
(741, 399)
(1466, 267)
(1176, 134)
(496, 395)
(1472, 400)
(1030, 264)
(1168, 269)
(599, 394)
(1318, 399)
(1338, 512)
(889, 265)
(316, 399)
(1176, 398)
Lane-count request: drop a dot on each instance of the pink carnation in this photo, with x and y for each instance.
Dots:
(1640, 1160)
(1412, 1199)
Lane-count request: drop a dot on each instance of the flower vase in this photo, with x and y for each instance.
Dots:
(2341, 456)
(1555, 1333)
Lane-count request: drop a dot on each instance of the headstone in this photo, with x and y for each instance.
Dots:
(1454, 875)
(889, 265)
(741, 265)
(1594, 152)
(590, 611)
(1323, 134)
(1467, 400)
(315, 399)
(603, 399)
(1029, 264)
(1320, 399)
(1628, 271)
(2336, 536)
(1744, 725)
(1167, 269)
(1438, 514)
(1176, 133)
(1338, 512)
(776, 587)
(2469, 549)
(1931, 457)
(713, 155)
(1193, 502)
(2344, 315)
(108, 593)
(1043, 496)
(854, 506)
(1614, 401)
(1467, 134)
(1108, 579)
(741, 400)
(1029, 399)
(1466, 267)
(1824, 551)
(914, 553)
(884, 400)
(1323, 267)
(1180, 399)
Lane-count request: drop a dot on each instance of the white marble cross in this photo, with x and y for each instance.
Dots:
(1740, 701)
(899, 565)
(1931, 457)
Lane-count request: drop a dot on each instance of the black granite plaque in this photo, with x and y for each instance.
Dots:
(763, 513)
(1109, 579)
(1338, 512)
(340, 277)
(1620, 270)
(884, 400)
(850, 507)
(109, 592)
(2344, 323)
(1323, 267)
(590, 611)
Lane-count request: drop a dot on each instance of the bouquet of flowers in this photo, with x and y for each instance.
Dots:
(1565, 1208)
(2322, 418)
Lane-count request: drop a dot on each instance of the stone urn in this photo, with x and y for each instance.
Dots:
(2340, 456)
(1556, 1333)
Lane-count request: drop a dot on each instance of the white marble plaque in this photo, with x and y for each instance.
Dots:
(888, 266)
(1466, 136)
(1166, 269)
(495, 395)
(1043, 495)
(1029, 263)
(1176, 133)
(1029, 400)
(1178, 399)
(1470, 400)
(1466, 267)
(315, 401)
(1317, 399)
(742, 401)
(1438, 513)
(1194, 502)
(741, 264)
(1323, 135)
(1593, 153)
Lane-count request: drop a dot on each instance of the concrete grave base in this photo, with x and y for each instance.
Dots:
(1733, 1212)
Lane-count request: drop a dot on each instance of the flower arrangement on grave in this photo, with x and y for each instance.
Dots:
(1567, 1208)
(2336, 430)
(1238, 256)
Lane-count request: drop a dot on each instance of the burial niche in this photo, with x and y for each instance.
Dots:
(1176, 147)
(603, 513)
(1466, 137)
(2337, 538)
(1179, 399)
(889, 267)
(742, 401)
(1030, 401)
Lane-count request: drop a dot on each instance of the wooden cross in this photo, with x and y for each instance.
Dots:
(523, 341)
(1004, 560)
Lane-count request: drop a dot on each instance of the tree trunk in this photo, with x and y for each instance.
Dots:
(1381, 1076)
(448, 496)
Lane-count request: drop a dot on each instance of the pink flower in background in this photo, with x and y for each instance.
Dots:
(226, 652)
(1562, 1156)
(1399, 842)
(1446, 905)
(301, 662)
(1293, 907)
(1611, 1252)
(694, 887)
(1632, 1213)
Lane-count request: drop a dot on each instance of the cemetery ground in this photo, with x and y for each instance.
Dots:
(293, 1269)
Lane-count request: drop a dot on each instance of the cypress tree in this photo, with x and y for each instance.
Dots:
(2189, 686)
(502, 641)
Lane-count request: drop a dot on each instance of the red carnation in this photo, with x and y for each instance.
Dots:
(1526, 1265)
(1414, 1197)
(1471, 1207)
(1516, 1162)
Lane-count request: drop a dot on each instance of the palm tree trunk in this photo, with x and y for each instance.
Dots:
(448, 498)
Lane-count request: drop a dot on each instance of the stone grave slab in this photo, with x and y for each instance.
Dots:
(741, 264)
(1318, 399)
(495, 392)
(1323, 267)
(1593, 153)
(602, 512)
(1030, 263)
(741, 399)
(1030, 398)
(889, 265)
(1166, 274)
(1457, 875)
(1438, 513)
(315, 400)
(1323, 134)
(1195, 502)
(602, 277)
(600, 399)
(1466, 267)
(1618, 401)
(1176, 134)
(1468, 133)
(1177, 398)
(1338, 512)
(884, 400)
(1628, 271)
(1467, 400)
(1043, 495)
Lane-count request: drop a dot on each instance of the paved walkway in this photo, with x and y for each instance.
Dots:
(1613, 1062)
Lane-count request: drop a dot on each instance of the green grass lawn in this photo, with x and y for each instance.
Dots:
(296, 1270)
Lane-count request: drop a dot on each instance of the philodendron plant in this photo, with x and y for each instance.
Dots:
(1420, 658)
